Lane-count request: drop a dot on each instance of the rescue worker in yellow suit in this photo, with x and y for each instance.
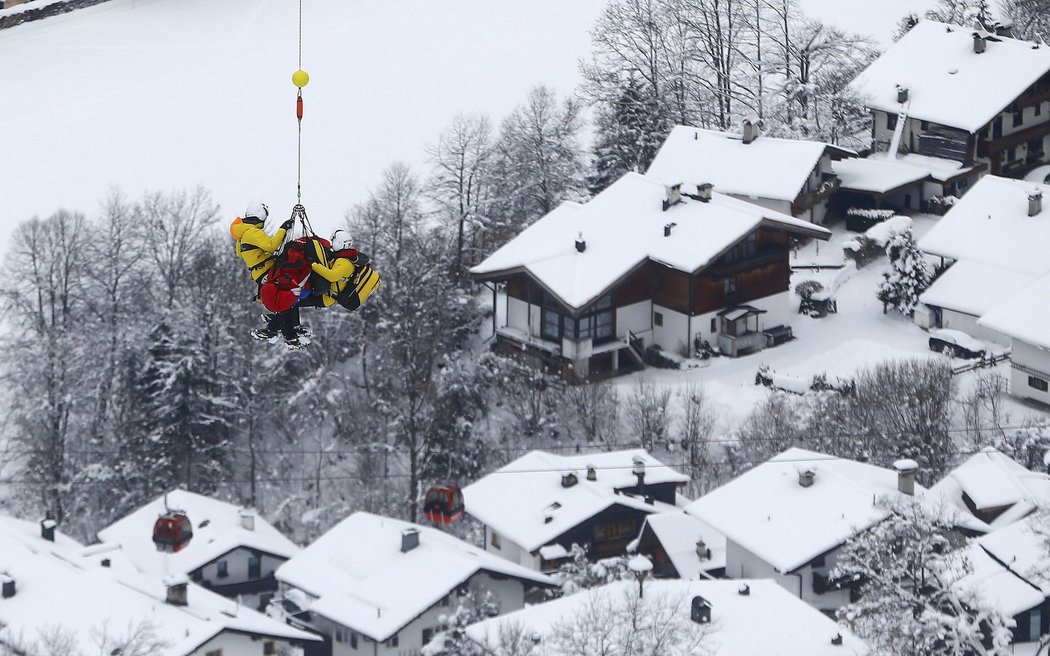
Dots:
(351, 278)
(259, 250)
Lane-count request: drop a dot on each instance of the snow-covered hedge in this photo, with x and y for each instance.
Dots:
(878, 215)
(798, 385)
(940, 205)
(872, 244)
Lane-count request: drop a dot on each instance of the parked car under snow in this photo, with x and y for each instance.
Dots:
(956, 343)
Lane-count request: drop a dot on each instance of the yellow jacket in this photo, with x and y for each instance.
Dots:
(256, 247)
(342, 274)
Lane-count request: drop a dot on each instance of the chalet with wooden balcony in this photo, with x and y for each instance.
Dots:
(960, 94)
(790, 176)
(587, 288)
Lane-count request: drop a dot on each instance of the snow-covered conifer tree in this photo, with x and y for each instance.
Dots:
(909, 275)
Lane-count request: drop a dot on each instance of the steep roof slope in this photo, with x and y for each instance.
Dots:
(363, 580)
(56, 588)
(217, 530)
(526, 502)
(947, 82)
(991, 479)
(623, 227)
(768, 620)
(767, 167)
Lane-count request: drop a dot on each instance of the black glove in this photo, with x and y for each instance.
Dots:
(287, 225)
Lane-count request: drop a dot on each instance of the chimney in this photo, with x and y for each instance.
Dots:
(1004, 29)
(639, 471)
(906, 469)
(409, 539)
(836, 639)
(667, 229)
(177, 590)
(672, 195)
(47, 527)
(701, 610)
(1035, 202)
(581, 245)
(592, 473)
(902, 94)
(105, 562)
(568, 479)
(979, 43)
(248, 519)
(703, 192)
(806, 476)
(703, 552)
(7, 586)
(744, 590)
(749, 130)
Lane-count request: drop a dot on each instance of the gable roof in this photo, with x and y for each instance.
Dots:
(679, 534)
(623, 227)
(56, 588)
(990, 224)
(993, 480)
(769, 620)
(974, 287)
(217, 530)
(948, 83)
(766, 510)
(1025, 315)
(525, 501)
(362, 580)
(768, 167)
(1024, 547)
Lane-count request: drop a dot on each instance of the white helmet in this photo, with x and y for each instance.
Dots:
(256, 212)
(341, 241)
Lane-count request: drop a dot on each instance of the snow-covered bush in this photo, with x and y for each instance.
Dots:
(861, 250)
(940, 205)
(807, 288)
(578, 573)
(878, 215)
(655, 357)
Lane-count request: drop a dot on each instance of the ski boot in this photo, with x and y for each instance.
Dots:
(264, 334)
(295, 344)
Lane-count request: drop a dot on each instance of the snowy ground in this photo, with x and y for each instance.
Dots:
(164, 95)
(858, 336)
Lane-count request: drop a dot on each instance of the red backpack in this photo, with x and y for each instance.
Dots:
(288, 278)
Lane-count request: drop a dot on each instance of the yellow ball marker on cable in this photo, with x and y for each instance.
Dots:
(300, 78)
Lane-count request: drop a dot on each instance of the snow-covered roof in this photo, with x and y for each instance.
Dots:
(996, 585)
(769, 513)
(1025, 316)
(768, 167)
(679, 534)
(217, 530)
(526, 502)
(993, 480)
(769, 620)
(876, 175)
(990, 224)
(974, 287)
(1023, 546)
(55, 588)
(623, 227)
(948, 83)
(362, 579)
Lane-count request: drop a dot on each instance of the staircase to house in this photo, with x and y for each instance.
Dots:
(635, 348)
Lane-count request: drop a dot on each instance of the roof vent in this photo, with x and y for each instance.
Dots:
(177, 590)
(701, 610)
(105, 562)
(906, 469)
(806, 476)
(744, 590)
(47, 527)
(1035, 202)
(703, 552)
(902, 94)
(248, 519)
(703, 192)
(672, 195)
(979, 44)
(568, 479)
(749, 130)
(409, 539)
(7, 586)
(667, 229)
(592, 473)
(836, 639)
(581, 245)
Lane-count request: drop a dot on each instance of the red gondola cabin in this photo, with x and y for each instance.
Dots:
(172, 531)
(443, 504)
